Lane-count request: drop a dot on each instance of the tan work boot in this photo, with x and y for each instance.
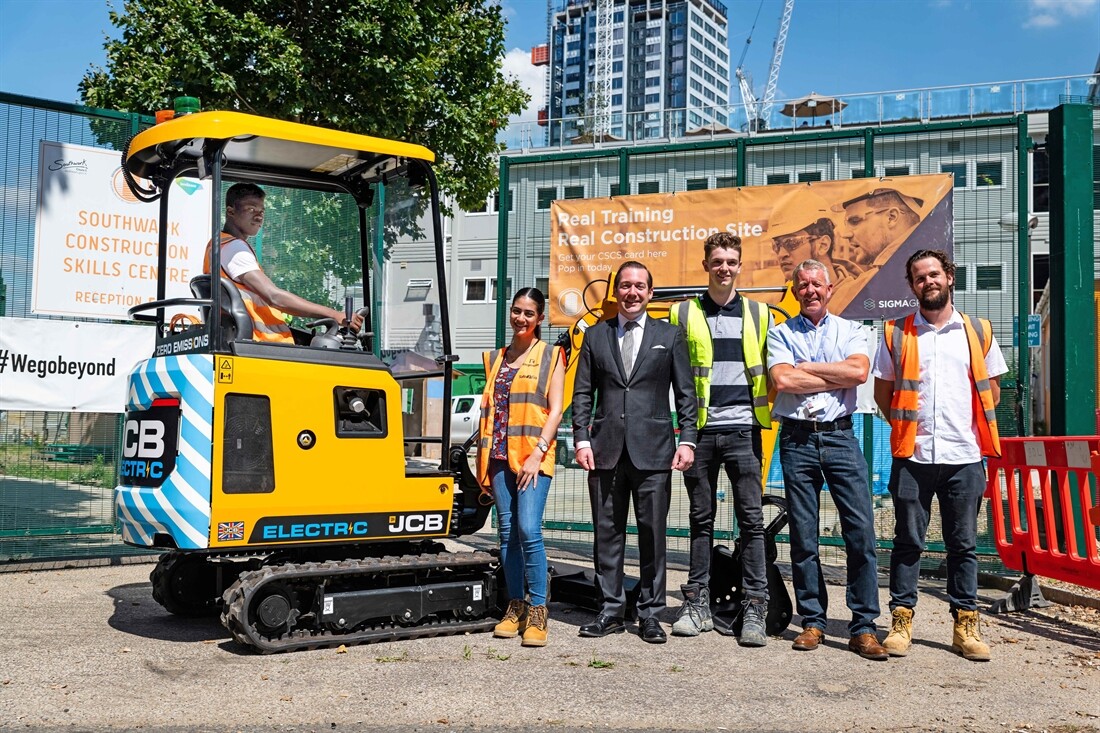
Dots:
(514, 621)
(899, 639)
(966, 640)
(537, 621)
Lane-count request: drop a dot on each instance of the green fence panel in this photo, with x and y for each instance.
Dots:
(58, 469)
(982, 154)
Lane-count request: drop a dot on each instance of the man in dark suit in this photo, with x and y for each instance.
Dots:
(627, 366)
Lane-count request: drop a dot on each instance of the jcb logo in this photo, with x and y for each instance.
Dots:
(415, 523)
(144, 439)
(149, 445)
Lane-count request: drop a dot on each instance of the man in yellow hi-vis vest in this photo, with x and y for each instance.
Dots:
(937, 380)
(727, 341)
(266, 302)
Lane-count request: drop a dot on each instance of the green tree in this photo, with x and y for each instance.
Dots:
(424, 71)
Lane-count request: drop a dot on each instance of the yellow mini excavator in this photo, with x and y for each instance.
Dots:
(285, 481)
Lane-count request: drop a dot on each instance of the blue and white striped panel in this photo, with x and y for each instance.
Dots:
(180, 506)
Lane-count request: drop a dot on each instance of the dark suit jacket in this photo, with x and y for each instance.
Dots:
(633, 414)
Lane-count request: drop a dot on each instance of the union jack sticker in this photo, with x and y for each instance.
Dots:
(230, 531)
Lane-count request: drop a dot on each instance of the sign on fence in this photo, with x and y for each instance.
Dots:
(95, 251)
(863, 230)
(68, 366)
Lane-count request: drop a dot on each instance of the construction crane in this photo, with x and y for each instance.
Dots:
(757, 110)
(601, 89)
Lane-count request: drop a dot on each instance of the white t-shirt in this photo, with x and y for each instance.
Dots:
(947, 429)
(238, 258)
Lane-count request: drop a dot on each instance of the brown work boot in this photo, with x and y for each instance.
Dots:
(967, 640)
(810, 639)
(899, 639)
(537, 621)
(866, 645)
(514, 621)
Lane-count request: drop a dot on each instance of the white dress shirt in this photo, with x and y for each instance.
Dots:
(947, 429)
(620, 333)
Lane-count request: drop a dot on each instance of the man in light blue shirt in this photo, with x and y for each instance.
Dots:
(816, 361)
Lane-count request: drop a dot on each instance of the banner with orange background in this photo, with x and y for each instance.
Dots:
(863, 230)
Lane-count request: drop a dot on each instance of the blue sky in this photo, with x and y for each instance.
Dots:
(835, 46)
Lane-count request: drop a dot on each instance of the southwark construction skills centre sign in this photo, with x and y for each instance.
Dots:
(95, 252)
(95, 256)
(863, 230)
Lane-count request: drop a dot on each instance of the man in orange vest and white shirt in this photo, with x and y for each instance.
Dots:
(266, 302)
(937, 379)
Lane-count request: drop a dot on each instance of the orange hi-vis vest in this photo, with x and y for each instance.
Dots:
(528, 409)
(268, 322)
(902, 344)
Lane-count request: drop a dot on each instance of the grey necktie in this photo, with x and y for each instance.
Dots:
(628, 346)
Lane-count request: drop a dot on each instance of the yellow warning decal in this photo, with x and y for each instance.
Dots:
(225, 370)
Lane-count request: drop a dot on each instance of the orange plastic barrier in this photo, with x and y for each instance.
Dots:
(1049, 489)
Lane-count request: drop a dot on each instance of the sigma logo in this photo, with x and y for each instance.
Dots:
(869, 304)
(900, 303)
(416, 523)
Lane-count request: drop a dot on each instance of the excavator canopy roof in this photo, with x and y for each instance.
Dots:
(266, 146)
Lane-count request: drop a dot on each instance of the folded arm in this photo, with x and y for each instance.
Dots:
(809, 377)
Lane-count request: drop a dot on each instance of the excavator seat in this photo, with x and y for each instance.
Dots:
(236, 322)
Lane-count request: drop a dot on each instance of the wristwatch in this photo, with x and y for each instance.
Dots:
(542, 445)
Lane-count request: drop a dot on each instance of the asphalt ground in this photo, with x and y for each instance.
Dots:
(88, 649)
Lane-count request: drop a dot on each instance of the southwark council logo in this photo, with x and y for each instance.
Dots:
(69, 166)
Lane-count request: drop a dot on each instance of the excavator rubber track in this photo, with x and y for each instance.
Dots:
(310, 605)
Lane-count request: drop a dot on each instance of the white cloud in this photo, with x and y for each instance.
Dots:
(517, 64)
(1049, 13)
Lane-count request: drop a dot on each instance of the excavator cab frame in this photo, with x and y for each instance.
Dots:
(285, 480)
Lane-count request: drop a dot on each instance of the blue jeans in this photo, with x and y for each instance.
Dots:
(519, 519)
(809, 460)
(740, 452)
(959, 490)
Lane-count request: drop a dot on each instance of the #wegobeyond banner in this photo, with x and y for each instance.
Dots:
(863, 230)
(95, 247)
(68, 366)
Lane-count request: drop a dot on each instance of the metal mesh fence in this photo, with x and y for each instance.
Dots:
(984, 160)
(58, 469)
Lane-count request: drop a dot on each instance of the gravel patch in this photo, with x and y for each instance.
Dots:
(89, 650)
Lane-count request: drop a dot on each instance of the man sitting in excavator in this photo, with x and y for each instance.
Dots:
(266, 302)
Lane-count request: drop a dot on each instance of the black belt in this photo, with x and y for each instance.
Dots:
(812, 426)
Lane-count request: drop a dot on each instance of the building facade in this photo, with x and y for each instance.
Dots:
(983, 161)
(658, 69)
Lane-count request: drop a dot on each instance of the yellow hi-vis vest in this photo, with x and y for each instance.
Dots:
(528, 409)
(901, 342)
(268, 323)
(754, 334)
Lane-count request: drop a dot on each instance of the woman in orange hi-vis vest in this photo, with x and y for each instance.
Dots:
(520, 411)
(937, 380)
(265, 301)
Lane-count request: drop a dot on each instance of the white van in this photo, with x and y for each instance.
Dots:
(465, 415)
